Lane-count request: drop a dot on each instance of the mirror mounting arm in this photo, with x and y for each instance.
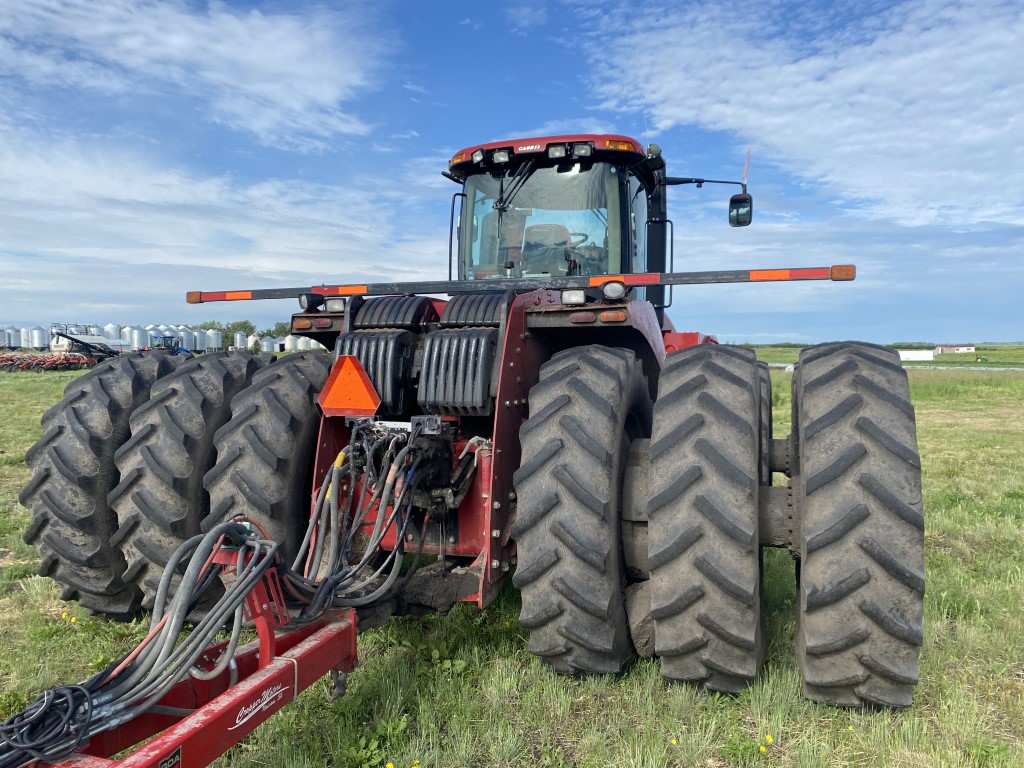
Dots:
(670, 181)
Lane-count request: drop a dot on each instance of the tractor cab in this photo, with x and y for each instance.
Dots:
(552, 207)
(167, 343)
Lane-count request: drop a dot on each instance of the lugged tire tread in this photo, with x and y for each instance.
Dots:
(72, 525)
(574, 444)
(160, 501)
(707, 452)
(862, 543)
(267, 449)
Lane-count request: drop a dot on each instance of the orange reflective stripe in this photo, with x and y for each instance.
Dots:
(644, 279)
(221, 296)
(757, 275)
(339, 290)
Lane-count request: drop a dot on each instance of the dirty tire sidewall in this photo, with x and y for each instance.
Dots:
(73, 469)
(860, 598)
(587, 405)
(703, 536)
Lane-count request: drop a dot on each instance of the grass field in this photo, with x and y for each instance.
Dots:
(462, 691)
(987, 356)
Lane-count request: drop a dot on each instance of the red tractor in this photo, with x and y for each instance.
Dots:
(545, 423)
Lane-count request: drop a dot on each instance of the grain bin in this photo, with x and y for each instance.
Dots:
(138, 337)
(214, 340)
(39, 338)
(187, 337)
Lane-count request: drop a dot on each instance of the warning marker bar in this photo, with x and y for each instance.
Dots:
(838, 272)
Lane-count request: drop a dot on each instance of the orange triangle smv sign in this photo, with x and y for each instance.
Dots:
(348, 391)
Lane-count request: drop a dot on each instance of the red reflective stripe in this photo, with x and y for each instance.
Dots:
(227, 296)
(339, 290)
(817, 273)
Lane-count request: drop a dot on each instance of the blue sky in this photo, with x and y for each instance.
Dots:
(148, 148)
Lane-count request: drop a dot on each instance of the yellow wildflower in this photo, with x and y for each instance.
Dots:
(390, 765)
(674, 742)
(73, 619)
(64, 615)
(768, 739)
(849, 727)
(762, 748)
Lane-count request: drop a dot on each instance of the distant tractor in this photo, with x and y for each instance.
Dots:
(545, 423)
(167, 343)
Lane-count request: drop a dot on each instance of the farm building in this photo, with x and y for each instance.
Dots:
(954, 349)
(917, 354)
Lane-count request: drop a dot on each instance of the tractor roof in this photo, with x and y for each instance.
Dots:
(601, 145)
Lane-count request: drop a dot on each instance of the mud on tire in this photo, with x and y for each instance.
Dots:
(860, 602)
(586, 407)
(265, 452)
(73, 469)
(160, 501)
(702, 530)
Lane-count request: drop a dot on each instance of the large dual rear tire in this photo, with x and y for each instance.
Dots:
(160, 501)
(589, 403)
(265, 452)
(72, 525)
(703, 538)
(858, 482)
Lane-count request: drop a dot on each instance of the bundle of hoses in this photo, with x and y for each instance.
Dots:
(59, 721)
(330, 569)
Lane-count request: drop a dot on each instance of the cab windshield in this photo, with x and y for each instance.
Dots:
(555, 221)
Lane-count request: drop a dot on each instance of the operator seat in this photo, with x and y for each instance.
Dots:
(546, 249)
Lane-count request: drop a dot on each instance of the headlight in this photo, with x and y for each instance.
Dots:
(335, 305)
(613, 290)
(574, 296)
(310, 302)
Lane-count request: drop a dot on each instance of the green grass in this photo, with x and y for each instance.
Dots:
(987, 356)
(461, 690)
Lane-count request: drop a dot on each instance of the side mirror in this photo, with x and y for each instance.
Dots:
(741, 210)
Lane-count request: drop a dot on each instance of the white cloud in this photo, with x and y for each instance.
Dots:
(282, 77)
(77, 201)
(525, 16)
(910, 112)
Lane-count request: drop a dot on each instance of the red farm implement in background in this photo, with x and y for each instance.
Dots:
(544, 422)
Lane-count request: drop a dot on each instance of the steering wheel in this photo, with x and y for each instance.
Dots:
(576, 243)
